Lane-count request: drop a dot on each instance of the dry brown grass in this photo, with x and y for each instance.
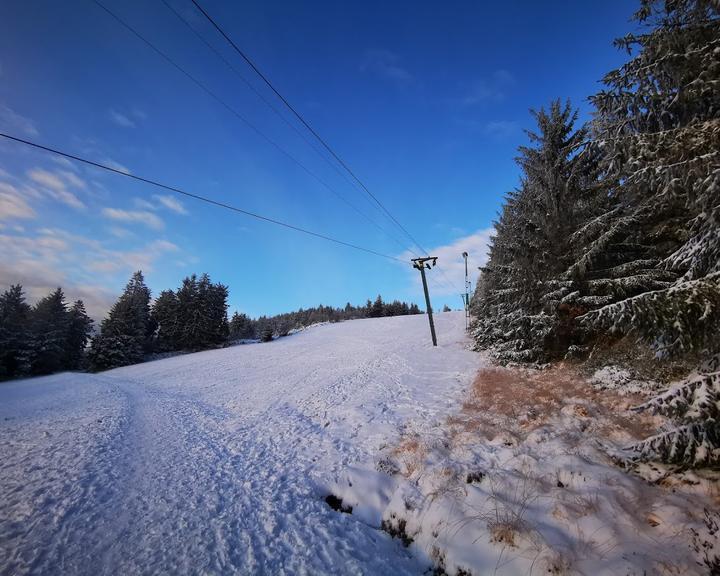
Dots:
(516, 401)
(410, 454)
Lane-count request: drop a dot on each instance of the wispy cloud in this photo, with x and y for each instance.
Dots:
(116, 165)
(84, 267)
(160, 203)
(126, 119)
(452, 264)
(11, 119)
(144, 217)
(386, 64)
(171, 203)
(491, 88)
(40, 263)
(143, 259)
(120, 119)
(13, 204)
(55, 185)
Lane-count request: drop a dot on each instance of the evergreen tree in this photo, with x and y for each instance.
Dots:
(14, 333)
(203, 313)
(214, 302)
(126, 334)
(658, 125)
(78, 334)
(241, 327)
(165, 314)
(517, 303)
(49, 326)
(659, 128)
(266, 333)
(377, 309)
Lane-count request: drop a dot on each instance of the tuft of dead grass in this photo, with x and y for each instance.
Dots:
(410, 454)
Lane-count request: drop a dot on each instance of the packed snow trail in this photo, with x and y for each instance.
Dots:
(218, 462)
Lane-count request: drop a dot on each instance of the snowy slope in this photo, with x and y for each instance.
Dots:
(218, 462)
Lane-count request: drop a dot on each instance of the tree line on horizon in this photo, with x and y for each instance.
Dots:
(612, 235)
(52, 336)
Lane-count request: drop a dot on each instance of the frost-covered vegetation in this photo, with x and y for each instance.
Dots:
(614, 229)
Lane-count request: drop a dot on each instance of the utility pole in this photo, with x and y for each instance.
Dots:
(467, 294)
(421, 264)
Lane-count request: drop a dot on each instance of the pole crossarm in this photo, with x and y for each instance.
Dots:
(421, 263)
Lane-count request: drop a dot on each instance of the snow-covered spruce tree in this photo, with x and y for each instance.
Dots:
(165, 313)
(14, 333)
(202, 309)
(658, 124)
(49, 331)
(125, 335)
(214, 297)
(517, 301)
(78, 333)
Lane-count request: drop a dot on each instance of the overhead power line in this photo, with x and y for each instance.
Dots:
(242, 118)
(291, 125)
(304, 122)
(199, 197)
(299, 116)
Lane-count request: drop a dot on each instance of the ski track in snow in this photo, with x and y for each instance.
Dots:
(218, 462)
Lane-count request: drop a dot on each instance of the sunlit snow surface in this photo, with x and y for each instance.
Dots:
(218, 462)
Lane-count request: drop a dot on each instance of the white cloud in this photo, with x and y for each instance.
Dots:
(119, 232)
(84, 267)
(73, 179)
(12, 204)
(10, 118)
(171, 203)
(65, 163)
(121, 119)
(55, 185)
(143, 204)
(117, 260)
(46, 179)
(139, 216)
(116, 166)
(452, 278)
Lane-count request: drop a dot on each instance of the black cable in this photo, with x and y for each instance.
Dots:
(284, 119)
(310, 128)
(242, 118)
(196, 196)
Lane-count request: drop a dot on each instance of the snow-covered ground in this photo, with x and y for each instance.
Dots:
(219, 462)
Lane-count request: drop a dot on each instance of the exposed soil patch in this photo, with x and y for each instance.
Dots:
(337, 504)
(397, 528)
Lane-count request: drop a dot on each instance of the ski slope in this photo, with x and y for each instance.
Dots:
(219, 462)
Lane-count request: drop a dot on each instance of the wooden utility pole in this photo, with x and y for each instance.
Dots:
(421, 264)
(467, 294)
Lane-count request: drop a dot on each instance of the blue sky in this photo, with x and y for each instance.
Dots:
(426, 102)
